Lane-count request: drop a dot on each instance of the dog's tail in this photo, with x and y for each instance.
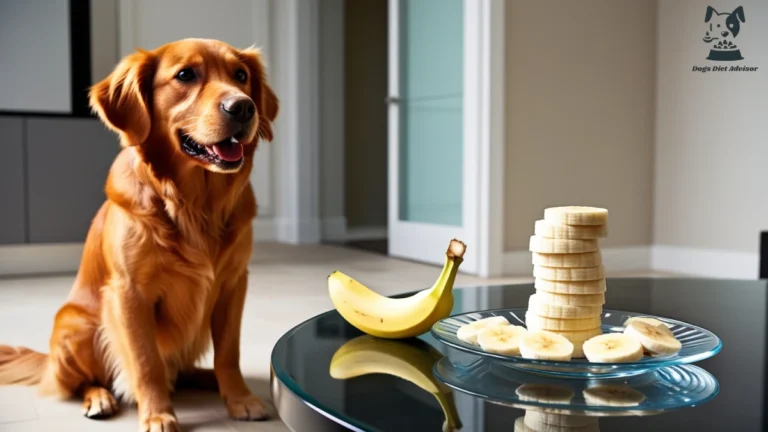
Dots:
(21, 366)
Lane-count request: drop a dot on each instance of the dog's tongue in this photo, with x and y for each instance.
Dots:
(229, 151)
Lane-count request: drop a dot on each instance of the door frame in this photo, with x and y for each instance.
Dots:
(483, 148)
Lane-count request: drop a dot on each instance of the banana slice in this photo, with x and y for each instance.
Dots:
(576, 215)
(541, 307)
(569, 274)
(652, 321)
(547, 393)
(545, 345)
(526, 424)
(536, 322)
(567, 260)
(561, 246)
(501, 339)
(468, 332)
(520, 425)
(545, 228)
(572, 299)
(612, 348)
(570, 287)
(613, 395)
(578, 337)
(540, 420)
(654, 339)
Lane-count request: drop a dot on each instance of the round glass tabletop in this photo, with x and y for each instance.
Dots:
(327, 375)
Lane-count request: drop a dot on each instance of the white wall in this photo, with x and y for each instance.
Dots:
(105, 38)
(711, 181)
(579, 121)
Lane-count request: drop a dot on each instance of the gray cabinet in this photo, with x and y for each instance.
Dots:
(68, 162)
(12, 204)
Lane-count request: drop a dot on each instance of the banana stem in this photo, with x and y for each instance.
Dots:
(453, 258)
(456, 249)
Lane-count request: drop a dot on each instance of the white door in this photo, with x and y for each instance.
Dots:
(433, 178)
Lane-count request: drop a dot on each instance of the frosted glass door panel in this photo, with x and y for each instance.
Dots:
(431, 95)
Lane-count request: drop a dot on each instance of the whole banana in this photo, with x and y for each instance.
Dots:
(391, 318)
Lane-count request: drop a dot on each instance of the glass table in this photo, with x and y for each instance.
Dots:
(308, 398)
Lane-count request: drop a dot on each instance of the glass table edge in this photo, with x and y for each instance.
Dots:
(290, 385)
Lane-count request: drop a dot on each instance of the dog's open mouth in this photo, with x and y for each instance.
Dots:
(227, 153)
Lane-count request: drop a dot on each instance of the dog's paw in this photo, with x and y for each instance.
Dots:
(98, 403)
(247, 408)
(162, 422)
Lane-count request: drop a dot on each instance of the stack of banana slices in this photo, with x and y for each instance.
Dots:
(563, 320)
(569, 274)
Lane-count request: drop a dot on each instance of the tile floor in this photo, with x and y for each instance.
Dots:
(286, 287)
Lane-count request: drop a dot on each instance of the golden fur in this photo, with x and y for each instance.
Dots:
(164, 269)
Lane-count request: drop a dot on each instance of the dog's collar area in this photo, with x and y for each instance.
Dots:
(226, 154)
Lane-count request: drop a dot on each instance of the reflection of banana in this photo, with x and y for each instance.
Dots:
(547, 393)
(538, 421)
(520, 425)
(613, 395)
(542, 420)
(411, 361)
(396, 318)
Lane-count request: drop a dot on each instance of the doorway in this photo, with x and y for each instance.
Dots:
(419, 117)
(365, 124)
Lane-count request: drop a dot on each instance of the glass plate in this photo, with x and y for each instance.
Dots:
(698, 344)
(661, 390)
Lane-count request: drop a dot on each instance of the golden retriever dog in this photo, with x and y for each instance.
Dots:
(164, 271)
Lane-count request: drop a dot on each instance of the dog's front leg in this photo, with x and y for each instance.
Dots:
(130, 323)
(225, 329)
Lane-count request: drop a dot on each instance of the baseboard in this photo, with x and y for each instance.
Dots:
(52, 258)
(615, 259)
(366, 233)
(710, 263)
(264, 230)
(31, 259)
(334, 229)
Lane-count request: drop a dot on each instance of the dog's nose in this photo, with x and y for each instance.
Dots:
(240, 109)
(724, 34)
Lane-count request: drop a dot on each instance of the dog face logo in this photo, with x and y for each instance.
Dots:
(721, 30)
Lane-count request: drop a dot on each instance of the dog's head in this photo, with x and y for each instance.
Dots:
(722, 27)
(196, 100)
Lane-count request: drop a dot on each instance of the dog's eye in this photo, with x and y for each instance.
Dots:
(186, 74)
(241, 76)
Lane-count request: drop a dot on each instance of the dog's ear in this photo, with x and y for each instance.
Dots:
(266, 101)
(122, 100)
(739, 13)
(733, 21)
(710, 12)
